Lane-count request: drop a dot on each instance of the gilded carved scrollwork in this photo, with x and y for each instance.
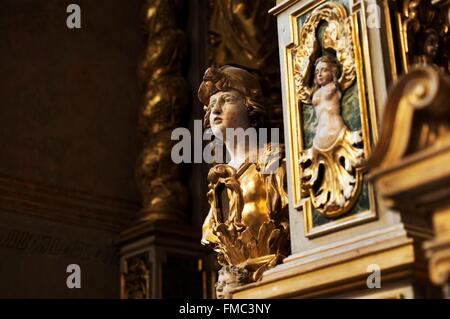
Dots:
(242, 236)
(323, 70)
(440, 264)
(416, 117)
(332, 179)
(166, 95)
(410, 162)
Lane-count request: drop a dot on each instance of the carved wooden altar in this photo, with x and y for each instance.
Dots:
(362, 192)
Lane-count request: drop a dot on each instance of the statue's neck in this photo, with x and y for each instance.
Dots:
(241, 153)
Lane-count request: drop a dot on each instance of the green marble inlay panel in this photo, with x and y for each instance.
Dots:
(350, 111)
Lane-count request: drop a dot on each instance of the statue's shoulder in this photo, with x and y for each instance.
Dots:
(271, 158)
(274, 149)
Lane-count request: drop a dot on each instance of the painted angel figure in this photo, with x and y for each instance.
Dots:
(326, 97)
(335, 148)
(331, 175)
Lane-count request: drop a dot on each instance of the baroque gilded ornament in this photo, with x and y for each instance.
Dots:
(164, 196)
(425, 35)
(323, 70)
(136, 279)
(248, 222)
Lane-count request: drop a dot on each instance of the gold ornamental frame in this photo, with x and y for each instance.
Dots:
(368, 114)
(390, 38)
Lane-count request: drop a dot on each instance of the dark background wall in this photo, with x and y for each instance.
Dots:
(68, 144)
(70, 97)
(69, 103)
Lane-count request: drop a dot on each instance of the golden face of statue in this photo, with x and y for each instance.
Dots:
(228, 110)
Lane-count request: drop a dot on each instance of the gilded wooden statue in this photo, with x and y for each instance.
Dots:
(248, 222)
